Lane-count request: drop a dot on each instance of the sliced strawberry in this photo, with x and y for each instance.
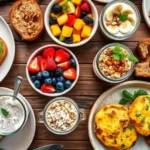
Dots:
(51, 65)
(42, 63)
(71, 20)
(78, 11)
(33, 66)
(49, 52)
(64, 65)
(70, 74)
(86, 7)
(61, 56)
(47, 88)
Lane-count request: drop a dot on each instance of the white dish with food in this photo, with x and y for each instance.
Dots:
(103, 1)
(7, 36)
(112, 96)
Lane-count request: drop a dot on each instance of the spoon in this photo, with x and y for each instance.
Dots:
(50, 147)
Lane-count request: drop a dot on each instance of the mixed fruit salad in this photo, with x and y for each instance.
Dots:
(71, 21)
(53, 70)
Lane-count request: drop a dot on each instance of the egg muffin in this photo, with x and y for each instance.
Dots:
(113, 127)
(139, 112)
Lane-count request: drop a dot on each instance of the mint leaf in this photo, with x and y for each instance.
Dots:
(138, 115)
(133, 59)
(116, 57)
(4, 112)
(117, 48)
(123, 17)
(143, 120)
(140, 93)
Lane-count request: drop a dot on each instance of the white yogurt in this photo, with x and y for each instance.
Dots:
(15, 119)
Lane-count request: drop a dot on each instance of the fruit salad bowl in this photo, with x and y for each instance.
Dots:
(71, 23)
(52, 70)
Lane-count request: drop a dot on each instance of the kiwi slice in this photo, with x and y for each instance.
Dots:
(68, 7)
(61, 38)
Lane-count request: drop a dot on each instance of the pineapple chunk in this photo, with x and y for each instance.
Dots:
(62, 2)
(62, 19)
(67, 31)
(86, 31)
(76, 38)
(55, 15)
(56, 31)
(77, 2)
(76, 31)
(79, 24)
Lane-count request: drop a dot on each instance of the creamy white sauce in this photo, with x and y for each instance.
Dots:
(16, 116)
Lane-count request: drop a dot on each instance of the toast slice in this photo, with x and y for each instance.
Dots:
(3, 51)
(27, 19)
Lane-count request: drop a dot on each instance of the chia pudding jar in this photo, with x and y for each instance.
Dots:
(111, 77)
(61, 115)
(110, 24)
(13, 114)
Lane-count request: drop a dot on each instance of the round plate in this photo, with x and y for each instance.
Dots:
(23, 138)
(113, 95)
(146, 9)
(103, 1)
(7, 36)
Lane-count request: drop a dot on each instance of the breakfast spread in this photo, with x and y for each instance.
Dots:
(27, 19)
(3, 51)
(71, 21)
(53, 71)
(61, 115)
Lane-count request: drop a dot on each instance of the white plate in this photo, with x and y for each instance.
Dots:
(103, 1)
(23, 138)
(146, 8)
(113, 95)
(7, 36)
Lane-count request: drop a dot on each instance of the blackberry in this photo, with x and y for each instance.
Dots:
(88, 20)
(72, 62)
(68, 40)
(58, 72)
(53, 21)
(56, 8)
(83, 14)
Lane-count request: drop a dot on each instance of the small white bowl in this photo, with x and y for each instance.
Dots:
(95, 26)
(38, 51)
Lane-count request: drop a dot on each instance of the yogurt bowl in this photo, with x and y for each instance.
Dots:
(119, 20)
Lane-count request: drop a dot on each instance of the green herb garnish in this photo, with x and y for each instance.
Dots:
(115, 141)
(1, 48)
(123, 146)
(124, 129)
(149, 126)
(130, 127)
(143, 120)
(147, 107)
(127, 136)
(4, 112)
(138, 115)
(123, 17)
(133, 59)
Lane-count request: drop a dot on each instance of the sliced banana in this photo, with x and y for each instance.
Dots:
(127, 11)
(132, 20)
(112, 29)
(125, 27)
(109, 15)
(117, 10)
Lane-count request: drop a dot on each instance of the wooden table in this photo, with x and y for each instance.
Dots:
(87, 89)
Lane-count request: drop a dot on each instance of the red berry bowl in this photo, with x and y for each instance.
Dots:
(52, 70)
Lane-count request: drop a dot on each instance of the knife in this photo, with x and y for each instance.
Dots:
(50, 147)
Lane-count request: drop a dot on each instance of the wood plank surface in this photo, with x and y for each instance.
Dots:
(87, 89)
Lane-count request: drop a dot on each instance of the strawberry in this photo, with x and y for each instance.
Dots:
(85, 6)
(70, 74)
(33, 66)
(61, 56)
(42, 63)
(49, 52)
(47, 88)
(64, 65)
(51, 65)
(78, 11)
(71, 20)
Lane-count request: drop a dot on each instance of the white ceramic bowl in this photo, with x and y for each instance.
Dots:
(95, 26)
(38, 51)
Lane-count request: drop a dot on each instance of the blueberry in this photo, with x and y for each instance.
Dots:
(39, 76)
(59, 86)
(52, 73)
(53, 21)
(73, 63)
(68, 84)
(33, 78)
(37, 84)
(54, 81)
(45, 74)
(60, 90)
(48, 81)
(56, 8)
(58, 72)
(60, 79)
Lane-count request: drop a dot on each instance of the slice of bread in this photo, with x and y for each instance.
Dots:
(27, 19)
(3, 51)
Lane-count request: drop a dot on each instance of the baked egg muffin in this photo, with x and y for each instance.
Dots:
(139, 112)
(113, 127)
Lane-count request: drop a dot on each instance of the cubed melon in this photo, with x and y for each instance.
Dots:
(62, 19)
(79, 24)
(67, 31)
(76, 38)
(76, 31)
(77, 2)
(86, 31)
(55, 29)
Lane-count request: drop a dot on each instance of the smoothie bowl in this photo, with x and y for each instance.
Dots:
(119, 20)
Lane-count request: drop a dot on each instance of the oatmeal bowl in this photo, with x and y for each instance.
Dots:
(114, 63)
(61, 115)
